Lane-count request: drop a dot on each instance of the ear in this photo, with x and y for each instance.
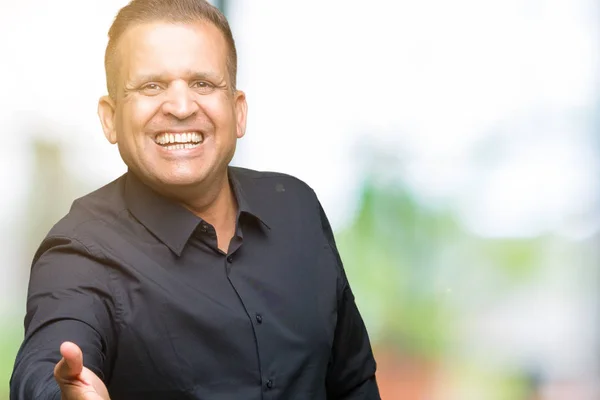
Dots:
(106, 112)
(241, 113)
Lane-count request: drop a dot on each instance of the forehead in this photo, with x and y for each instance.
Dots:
(172, 49)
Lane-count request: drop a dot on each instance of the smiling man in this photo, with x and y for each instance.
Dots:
(187, 278)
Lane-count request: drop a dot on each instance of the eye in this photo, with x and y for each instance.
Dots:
(150, 89)
(202, 87)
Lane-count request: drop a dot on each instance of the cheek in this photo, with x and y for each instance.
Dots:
(136, 115)
(146, 107)
(220, 111)
(131, 122)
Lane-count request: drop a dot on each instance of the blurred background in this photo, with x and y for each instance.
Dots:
(454, 146)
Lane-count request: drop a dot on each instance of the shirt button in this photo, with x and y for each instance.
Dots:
(203, 227)
(259, 318)
(230, 259)
(269, 384)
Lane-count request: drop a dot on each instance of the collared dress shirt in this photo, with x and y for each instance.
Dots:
(138, 282)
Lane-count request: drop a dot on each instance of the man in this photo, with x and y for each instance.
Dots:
(186, 278)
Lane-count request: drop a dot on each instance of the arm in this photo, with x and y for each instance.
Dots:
(351, 372)
(68, 300)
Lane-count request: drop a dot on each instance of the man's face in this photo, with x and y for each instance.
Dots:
(175, 117)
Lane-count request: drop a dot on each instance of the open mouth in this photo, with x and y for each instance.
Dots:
(179, 141)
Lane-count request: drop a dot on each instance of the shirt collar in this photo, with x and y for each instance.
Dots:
(249, 201)
(169, 221)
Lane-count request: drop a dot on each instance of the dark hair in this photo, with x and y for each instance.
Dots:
(184, 11)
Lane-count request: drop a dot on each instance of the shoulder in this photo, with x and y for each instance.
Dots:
(280, 198)
(87, 215)
(277, 188)
(273, 182)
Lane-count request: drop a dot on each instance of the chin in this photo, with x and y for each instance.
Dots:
(181, 180)
(173, 176)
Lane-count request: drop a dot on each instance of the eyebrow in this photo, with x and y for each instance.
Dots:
(189, 75)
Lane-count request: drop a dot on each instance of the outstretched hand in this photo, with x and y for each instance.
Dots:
(76, 382)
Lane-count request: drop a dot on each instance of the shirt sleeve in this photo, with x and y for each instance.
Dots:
(352, 367)
(68, 299)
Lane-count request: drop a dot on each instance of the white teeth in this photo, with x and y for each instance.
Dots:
(187, 140)
(185, 146)
(188, 137)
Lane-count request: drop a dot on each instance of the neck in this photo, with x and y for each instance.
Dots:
(214, 201)
(218, 206)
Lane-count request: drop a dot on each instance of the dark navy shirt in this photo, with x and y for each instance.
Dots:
(138, 282)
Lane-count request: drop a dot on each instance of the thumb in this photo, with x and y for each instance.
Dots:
(71, 364)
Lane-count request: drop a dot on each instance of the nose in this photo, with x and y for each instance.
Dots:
(179, 102)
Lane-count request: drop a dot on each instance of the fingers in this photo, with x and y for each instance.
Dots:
(75, 381)
(71, 365)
